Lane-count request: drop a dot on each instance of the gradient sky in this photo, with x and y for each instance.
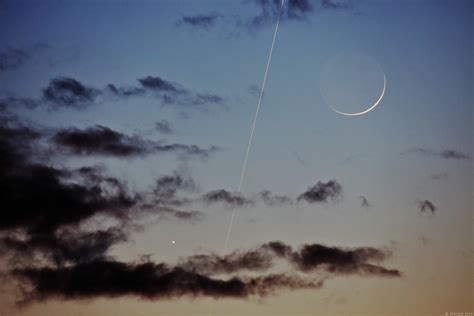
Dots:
(336, 55)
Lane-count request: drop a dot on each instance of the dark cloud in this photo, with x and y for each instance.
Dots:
(167, 186)
(65, 92)
(195, 276)
(204, 21)
(45, 208)
(446, 153)
(321, 192)
(162, 210)
(67, 246)
(271, 9)
(343, 261)
(266, 13)
(453, 154)
(38, 197)
(164, 200)
(337, 4)
(186, 151)
(124, 91)
(212, 264)
(68, 92)
(172, 93)
(101, 140)
(158, 84)
(146, 280)
(307, 259)
(229, 198)
(426, 206)
(271, 199)
(13, 58)
(364, 202)
(164, 127)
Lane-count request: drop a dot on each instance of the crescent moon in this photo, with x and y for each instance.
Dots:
(369, 109)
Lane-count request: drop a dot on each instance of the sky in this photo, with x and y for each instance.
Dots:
(124, 129)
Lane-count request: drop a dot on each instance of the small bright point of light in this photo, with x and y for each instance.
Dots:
(173, 242)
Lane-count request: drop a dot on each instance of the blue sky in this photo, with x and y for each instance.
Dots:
(392, 155)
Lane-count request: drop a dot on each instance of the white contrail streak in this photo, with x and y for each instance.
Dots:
(249, 145)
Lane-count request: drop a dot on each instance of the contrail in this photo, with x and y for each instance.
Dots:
(249, 145)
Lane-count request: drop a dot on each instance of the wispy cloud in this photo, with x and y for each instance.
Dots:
(364, 202)
(445, 153)
(164, 127)
(226, 197)
(200, 21)
(67, 92)
(14, 58)
(267, 12)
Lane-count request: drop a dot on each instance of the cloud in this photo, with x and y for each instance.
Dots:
(158, 84)
(38, 197)
(167, 186)
(364, 202)
(201, 21)
(100, 140)
(256, 260)
(425, 206)
(14, 58)
(308, 258)
(66, 246)
(124, 92)
(45, 209)
(342, 261)
(224, 196)
(337, 4)
(165, 211)
(271, 199)
(172, 93)
(103, 141)
(68, 92)
(186, 151)
(145, 280)
(164, 127)
(55, 255)
(321, 192)
(270, 10)
(439, 176)
(267, 12)
(16, 102)
(446, 153)
(196, 276)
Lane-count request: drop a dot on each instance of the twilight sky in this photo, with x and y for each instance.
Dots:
(124, 126)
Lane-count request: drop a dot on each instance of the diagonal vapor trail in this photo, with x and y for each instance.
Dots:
(249, 145)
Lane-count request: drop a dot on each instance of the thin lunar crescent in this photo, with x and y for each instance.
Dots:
(369, 109)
